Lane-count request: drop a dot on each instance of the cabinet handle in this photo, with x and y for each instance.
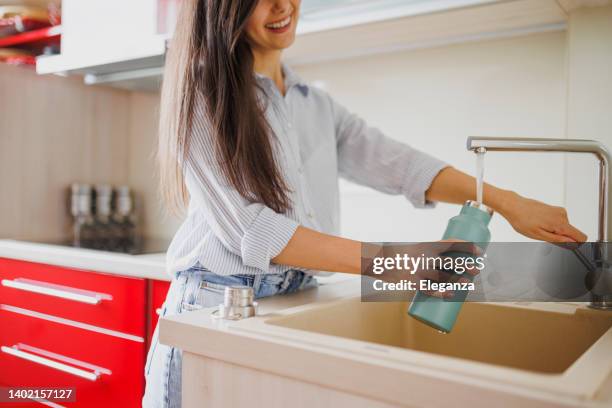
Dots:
(14, 351)
(55, 291)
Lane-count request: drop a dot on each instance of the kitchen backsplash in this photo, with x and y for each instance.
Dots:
(56, 130)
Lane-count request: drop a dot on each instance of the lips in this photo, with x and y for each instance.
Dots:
(280, 25)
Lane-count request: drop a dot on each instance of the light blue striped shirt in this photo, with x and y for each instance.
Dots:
(318, 140)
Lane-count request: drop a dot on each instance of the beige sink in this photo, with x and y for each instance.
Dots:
(519, 337)
(551, 348)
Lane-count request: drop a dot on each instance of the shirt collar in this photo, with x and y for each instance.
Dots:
(291, 79)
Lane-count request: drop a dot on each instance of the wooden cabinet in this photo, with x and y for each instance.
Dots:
(64, 327)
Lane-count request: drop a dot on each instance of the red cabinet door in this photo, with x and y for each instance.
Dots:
(158, 291)
(106, 369)
(104, 300)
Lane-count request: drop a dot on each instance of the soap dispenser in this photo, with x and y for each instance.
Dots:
(470, 225)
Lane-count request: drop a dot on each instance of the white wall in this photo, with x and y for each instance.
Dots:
(590, 104)
(434, 99)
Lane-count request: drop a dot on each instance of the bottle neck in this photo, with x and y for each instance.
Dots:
(481, 215)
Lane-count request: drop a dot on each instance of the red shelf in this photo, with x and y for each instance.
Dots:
(42, 34)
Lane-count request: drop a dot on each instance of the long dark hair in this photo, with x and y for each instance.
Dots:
(210, 60)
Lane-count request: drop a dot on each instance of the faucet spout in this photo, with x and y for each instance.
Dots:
(519, 144)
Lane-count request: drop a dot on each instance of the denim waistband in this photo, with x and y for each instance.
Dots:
(293, 279)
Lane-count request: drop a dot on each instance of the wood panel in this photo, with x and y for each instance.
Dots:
(215, 383)
(55, 131)
(143, 172)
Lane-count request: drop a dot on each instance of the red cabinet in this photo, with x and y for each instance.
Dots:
(109, 301)
(157, 295)
(106, 370)
(66, 327)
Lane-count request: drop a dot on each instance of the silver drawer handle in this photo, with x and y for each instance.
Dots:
(48, 289)
(88, 375)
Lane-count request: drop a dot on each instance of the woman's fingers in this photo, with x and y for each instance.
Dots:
(438, 294)
(473, 270)
(572, 232)
(537, 220)
(552, 237)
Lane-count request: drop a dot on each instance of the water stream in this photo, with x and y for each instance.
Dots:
(479, 175)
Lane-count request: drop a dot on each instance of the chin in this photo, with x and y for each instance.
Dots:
(281, 44)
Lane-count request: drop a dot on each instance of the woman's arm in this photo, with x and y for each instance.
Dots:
(529, 217)
(368, 157)
(314, 250)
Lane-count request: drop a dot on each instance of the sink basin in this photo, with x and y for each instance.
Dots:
(517, 354)
(520, 337)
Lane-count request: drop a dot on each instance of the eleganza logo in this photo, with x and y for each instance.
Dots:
(423, 285)
(509, 271)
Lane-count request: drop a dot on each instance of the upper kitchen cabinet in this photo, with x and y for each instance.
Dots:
(123, 43)
(347, 28)
(113, 41)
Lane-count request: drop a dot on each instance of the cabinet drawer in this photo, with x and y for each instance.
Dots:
(107, 371)
(112, 302)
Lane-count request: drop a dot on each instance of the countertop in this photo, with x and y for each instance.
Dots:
(149, 266)
(248, 343)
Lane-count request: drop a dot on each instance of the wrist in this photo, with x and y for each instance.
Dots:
(501, 201)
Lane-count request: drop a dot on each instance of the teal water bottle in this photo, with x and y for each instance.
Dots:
(470, 225)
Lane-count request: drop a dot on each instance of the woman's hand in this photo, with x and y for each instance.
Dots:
(529, 217)
(540, 221)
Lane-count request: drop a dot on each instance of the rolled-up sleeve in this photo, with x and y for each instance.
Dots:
(251, 230)
(367, 157)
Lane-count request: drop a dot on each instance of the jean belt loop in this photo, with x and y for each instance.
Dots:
(289, 276)
(257, 283)
(305, 277)
(181, 276)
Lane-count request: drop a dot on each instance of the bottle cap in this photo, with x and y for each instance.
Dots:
(477, 210)
(481, 206)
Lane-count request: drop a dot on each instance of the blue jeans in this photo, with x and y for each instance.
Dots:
(164, 363)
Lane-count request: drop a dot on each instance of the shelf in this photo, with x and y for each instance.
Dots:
(323, 15)
(133, 69)
(29, 37)
(476, 20)
(142, 79)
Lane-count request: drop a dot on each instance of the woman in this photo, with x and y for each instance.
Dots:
(258, 153)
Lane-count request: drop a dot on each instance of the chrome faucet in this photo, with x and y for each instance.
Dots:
(518, 144)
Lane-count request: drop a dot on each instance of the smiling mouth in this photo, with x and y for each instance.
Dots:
(280, 25)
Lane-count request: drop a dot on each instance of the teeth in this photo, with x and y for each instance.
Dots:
(280, 24)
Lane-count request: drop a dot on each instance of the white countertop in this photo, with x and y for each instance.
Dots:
(150, 266)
